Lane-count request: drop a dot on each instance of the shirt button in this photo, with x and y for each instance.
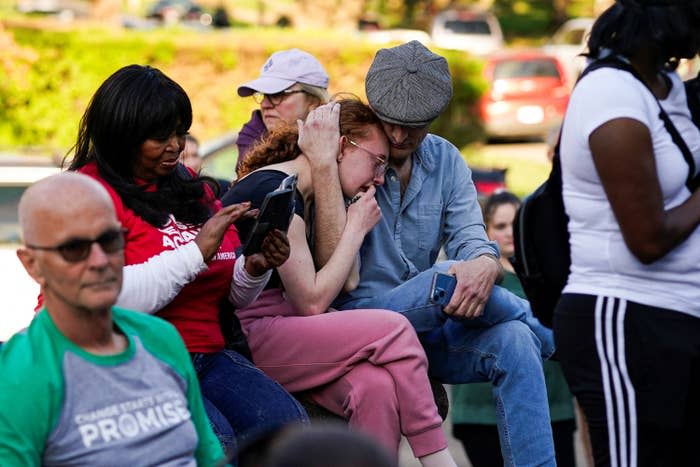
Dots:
(393, 178)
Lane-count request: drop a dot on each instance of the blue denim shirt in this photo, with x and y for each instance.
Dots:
(439, 208)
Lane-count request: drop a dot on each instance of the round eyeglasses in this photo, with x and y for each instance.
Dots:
(381, 162)
(277, 98)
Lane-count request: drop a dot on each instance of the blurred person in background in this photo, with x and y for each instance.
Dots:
(472, 405)
(627, 325)
(190, 154)
(192, 158)
(291, 84)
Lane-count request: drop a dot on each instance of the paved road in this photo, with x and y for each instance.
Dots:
(406, 458)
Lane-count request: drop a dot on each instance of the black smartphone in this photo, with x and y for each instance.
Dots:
(442, 288)
(276, 212)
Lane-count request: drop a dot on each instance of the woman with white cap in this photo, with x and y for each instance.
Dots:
(291, 84)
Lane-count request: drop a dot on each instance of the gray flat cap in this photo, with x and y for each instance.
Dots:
(408, 85)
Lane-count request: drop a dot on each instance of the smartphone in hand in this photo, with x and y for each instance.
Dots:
(442, 288)
(276, 212)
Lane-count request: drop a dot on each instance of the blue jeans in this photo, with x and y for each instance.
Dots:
(504, 346)
(242, 403)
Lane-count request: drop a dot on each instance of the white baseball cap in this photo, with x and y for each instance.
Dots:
(282, 70)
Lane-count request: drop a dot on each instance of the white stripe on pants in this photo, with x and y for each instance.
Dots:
(620, 405)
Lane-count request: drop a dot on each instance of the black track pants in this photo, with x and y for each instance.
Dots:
(635, 371)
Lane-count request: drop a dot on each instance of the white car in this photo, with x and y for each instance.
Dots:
(571, 40)
(65, 10)
(16, 174)
(399, 36)
(476, 32)
(568, 43)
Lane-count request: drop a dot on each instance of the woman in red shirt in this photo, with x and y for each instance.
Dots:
(180, 251)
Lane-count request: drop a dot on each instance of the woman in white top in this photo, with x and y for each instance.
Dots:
(628, 324)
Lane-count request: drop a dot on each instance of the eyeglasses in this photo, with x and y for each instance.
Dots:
(277, 98)
(381, 161)
(78, 249)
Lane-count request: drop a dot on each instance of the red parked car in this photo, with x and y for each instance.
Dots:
(527, 94)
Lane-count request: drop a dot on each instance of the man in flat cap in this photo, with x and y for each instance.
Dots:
(429, 201)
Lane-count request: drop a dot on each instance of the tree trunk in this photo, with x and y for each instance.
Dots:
(559, 12)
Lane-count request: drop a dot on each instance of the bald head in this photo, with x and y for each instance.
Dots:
(72, 245)
(64, 196)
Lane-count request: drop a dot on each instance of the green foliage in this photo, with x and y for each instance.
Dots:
(577, 8)
(532, 20)
(523, 19)
(460, 122)
(43, 105)
(42, 101)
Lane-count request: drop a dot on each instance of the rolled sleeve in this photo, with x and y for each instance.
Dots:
(464, 232)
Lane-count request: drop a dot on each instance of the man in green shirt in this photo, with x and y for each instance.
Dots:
(87, 383)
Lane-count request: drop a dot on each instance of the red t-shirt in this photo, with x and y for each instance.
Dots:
(195, 310)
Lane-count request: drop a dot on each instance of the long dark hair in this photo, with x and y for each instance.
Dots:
(669, 29)
(134, 104)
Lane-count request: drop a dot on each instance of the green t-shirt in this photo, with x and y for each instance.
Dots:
(473, 403)
(60, 405)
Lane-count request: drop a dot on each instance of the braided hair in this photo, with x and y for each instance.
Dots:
(670, 29)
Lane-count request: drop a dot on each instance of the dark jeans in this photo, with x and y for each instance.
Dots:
(242, 403)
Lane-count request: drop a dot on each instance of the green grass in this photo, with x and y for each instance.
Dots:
(523, 175)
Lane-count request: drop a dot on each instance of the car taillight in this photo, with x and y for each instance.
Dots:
(494, 109)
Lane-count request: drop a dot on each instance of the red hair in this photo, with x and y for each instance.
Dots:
(356, 119)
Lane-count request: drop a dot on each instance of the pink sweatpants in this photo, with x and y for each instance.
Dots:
(365, 365)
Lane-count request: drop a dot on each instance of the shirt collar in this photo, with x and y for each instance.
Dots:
(423, 156)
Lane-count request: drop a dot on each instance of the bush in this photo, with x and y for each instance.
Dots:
(460, 123)
(53, 79)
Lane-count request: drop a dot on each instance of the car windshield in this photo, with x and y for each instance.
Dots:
(9, 222)
(525, 69)
(571, 37)
(468, 26)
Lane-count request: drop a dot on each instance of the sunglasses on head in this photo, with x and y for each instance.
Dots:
(78, 249)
